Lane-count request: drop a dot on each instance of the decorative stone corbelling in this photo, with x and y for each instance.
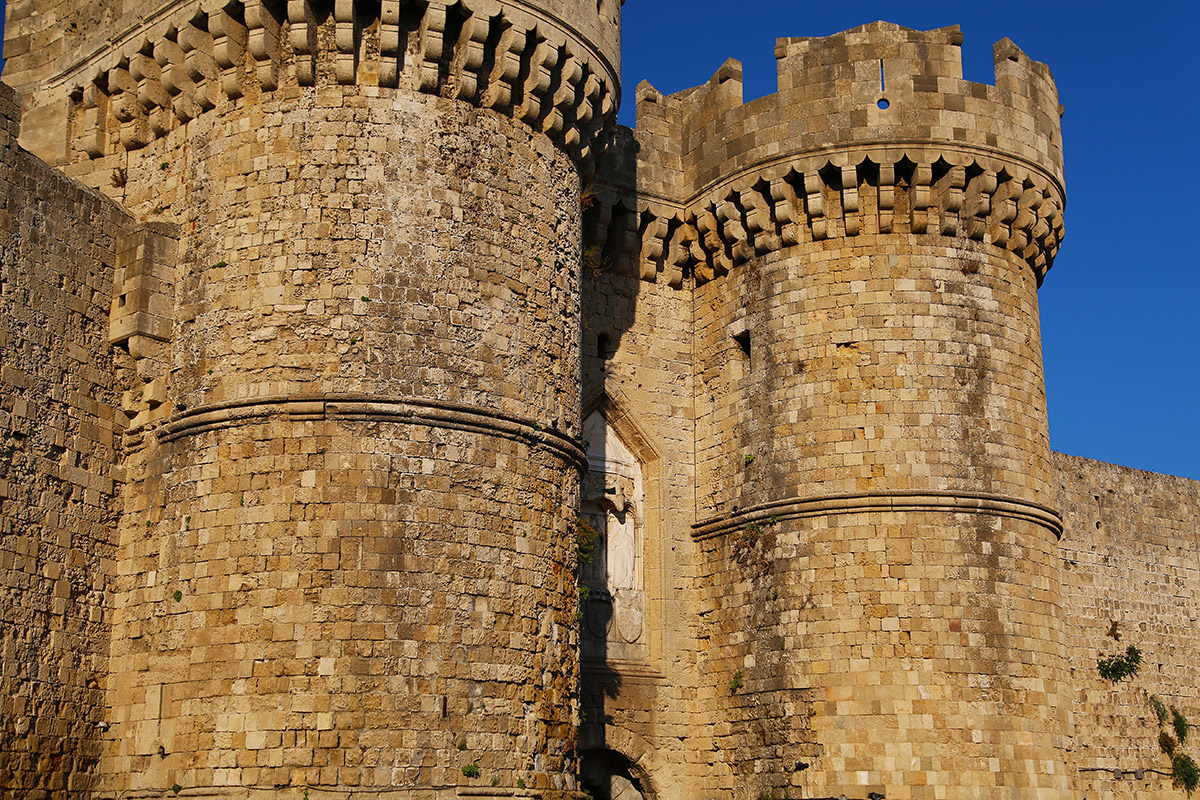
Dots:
(510, 58)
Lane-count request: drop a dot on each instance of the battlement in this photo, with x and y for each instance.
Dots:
(876, 83)
(873, 129)
(513, 58)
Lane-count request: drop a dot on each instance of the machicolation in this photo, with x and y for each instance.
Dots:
(380, 419)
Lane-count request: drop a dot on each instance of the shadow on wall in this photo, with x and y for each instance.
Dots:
(612, 586)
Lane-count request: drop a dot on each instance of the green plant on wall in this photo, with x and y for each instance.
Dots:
(471, 771)
(746, 538)
(1160, 710)
(1184, 773)
(1119, 667)
(587, 541)
(1180, 724)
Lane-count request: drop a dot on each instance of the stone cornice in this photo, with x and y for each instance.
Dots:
(895, 501)
(353, 407)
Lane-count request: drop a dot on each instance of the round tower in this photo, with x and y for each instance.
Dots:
(872, 452)
(347, 548)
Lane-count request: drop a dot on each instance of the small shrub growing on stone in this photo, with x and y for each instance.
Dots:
(1119, 667)
(1184, 773)
(1160, 710)
(1180, 724)
(471, 771)
(586, 540)
(735, 682)
(1166, 743)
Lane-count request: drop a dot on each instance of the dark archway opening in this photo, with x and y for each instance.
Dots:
(608, 775)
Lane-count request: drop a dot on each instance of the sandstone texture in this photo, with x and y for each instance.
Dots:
(381, 420)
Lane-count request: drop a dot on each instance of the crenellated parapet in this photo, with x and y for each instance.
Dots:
(872, 131)
(519, 59)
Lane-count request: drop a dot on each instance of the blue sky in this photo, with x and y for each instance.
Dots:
(1121, 307)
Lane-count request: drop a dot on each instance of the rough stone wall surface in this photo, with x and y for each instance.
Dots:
(1131, 576)
(886, 362)
(60, 421)
(873, 570)
(637, 365)
(351, 337)
(885, 372)
(346, 557)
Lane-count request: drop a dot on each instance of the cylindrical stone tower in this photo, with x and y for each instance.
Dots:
(347, 546)
(873, 472)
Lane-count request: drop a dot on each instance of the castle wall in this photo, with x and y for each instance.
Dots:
(346, 557)
(316, 471)
(650, 709)
(886, 378)
(347, 541)
(1130, 557)
(897, 362)
(156, 65)
(872, 526)
(60, 424)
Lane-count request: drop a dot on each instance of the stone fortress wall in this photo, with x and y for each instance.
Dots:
(345, 543)
(377, 329)
(60, 428)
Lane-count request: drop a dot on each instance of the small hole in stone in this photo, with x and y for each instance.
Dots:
(883, 102)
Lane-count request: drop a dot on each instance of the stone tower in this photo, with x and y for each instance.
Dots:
(346, 537)
(855, 262)
(335, 332)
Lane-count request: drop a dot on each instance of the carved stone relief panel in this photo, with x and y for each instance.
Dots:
(614, 507)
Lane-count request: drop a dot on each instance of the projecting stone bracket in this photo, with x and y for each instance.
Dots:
(511, 59)
(141, 319)
(956, 192)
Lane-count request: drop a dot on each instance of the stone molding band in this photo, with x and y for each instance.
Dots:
(356, 793)
(373, 408)
(949, 502)
(506, 58)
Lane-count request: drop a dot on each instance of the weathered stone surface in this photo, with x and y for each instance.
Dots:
(60, 427)
(403, 417)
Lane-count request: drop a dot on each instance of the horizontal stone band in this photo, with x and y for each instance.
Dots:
(950, 502)
(373, 408)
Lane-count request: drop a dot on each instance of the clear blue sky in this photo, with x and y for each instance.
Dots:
(1121, 307)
